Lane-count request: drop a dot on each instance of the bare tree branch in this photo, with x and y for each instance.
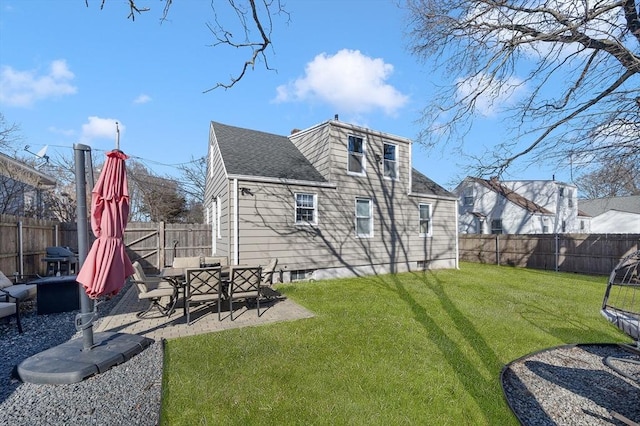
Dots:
(564, 76)
(252, 17)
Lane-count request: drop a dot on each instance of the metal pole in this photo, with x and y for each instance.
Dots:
(20, 248)
(86, 304)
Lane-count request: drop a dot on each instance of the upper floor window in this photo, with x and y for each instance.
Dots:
(364, 217)
(425, 220)
(545, 225)
(570, 197)
(467, 197)
(305, 208)
(356, 163)
(496, 226)
(390, 161)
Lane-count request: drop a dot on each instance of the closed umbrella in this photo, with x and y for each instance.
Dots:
(107, 265)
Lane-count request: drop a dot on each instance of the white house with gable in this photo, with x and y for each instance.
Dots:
(490, 206)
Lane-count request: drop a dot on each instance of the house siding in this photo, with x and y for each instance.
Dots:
(266, 225)
(217, 187)
(318, 155)
(546, 207)
(267, 229)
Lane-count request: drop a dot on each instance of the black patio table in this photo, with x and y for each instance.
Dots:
(57, 294)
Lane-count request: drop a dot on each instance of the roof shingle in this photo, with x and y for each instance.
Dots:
(254, 153)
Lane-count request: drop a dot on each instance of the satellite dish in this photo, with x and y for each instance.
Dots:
(40, 154)
(43, 152)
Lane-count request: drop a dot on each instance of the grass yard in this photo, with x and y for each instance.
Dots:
(414, 348)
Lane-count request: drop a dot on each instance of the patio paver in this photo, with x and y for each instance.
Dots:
(122, 318)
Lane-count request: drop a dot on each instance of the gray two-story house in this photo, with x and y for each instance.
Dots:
(332, 200)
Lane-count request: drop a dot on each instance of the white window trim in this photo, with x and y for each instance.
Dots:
(218, 216)
(370, 234)
(315, 209)
(396, 161)
(211, 161)
(429, 232)
(364, 156)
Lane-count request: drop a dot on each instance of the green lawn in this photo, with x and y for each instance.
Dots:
(414, 348)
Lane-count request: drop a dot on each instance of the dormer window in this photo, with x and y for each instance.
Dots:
(390, 161)
(356, 163)
(467, 198)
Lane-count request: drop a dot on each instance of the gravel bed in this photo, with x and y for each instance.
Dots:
(572, 385)
(128, 393)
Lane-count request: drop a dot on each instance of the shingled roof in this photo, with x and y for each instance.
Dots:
(514, 197)
(254, 153)
(420, 184)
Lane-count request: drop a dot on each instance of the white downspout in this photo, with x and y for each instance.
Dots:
(236, 212)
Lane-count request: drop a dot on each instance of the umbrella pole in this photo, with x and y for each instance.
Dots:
(86, 303)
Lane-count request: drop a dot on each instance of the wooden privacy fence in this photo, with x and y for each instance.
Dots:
(584, 253)
(23, 242)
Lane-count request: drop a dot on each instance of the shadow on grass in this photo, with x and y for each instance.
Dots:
(465, 369)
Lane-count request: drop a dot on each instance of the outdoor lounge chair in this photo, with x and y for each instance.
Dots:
(8, 309)
(203, 287)
(156, 296)
(245, 283)
(186, 262)
(621, 304)
(16, 290)
(268, 271)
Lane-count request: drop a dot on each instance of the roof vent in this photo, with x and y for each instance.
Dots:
(335, 117)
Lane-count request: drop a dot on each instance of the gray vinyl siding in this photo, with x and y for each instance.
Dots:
(318, 154)
(217, 185)
(268, 229)
(266, 213)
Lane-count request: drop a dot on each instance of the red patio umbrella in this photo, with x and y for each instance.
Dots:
(107, 265)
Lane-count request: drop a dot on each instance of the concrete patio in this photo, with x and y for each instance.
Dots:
(123, 319)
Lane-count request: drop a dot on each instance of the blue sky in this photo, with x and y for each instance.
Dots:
(68, 72)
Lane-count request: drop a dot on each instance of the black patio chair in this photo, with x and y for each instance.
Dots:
(204, 286)
(245, 282)
(161, 292)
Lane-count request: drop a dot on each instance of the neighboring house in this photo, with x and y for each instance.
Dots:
(22, 188)
(614, 215)
(489, 206)
(332, 200)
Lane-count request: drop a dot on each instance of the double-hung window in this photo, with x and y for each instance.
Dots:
(364, 218)
(425, 220)
(496, 226)
(390, 160)
(468, 197)
(306, 208)
(356, 161)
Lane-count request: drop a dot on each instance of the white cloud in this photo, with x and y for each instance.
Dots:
(24, 88)
(142, 99)
(349, 81)
(100, 128)
(490, 96)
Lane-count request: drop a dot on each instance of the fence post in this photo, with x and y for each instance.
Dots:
(20, 248)
(162, 258)
(557, 252)
(497, 249)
